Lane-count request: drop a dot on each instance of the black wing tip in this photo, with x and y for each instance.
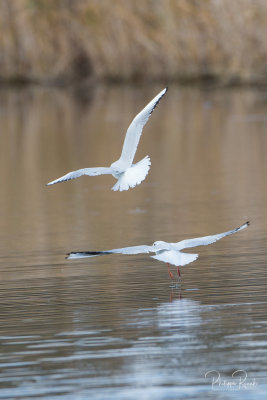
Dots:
(88, 253)
(73, 253)
(68, 254)
(157, 102)
(246, 224)
(59, 181)
(85, 252)
(165, 91)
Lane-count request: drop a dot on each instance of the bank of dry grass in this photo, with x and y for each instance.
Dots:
(66, 40)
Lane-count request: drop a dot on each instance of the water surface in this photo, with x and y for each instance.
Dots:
(112, 327)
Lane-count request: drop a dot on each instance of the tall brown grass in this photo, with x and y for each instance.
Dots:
(69, 40)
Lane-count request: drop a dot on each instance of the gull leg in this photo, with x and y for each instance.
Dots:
(179, 273)
(169, 271)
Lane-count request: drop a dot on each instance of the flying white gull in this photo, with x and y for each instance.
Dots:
(127, 173)
(167, 252)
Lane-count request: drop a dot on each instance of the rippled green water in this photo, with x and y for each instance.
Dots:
(113, 327)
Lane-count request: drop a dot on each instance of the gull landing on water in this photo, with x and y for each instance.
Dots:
(127, 173)
(167, 252)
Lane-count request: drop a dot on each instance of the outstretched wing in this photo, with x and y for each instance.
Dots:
(80, 172)
(204, 241)
(134, 131)
(123, 250)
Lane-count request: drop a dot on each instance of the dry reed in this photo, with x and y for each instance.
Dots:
(69, 40)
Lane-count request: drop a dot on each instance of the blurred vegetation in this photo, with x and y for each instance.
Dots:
(62, 41)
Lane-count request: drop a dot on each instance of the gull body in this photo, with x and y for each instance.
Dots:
(127, 174)
(167, 252)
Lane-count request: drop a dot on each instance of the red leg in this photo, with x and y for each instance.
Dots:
(178, 272)
(170, 273)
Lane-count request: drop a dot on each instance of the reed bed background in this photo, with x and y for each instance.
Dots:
(65, 41)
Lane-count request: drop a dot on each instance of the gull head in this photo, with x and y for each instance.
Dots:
(160, 245)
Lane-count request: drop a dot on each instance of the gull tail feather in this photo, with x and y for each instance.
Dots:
(134, 175)
(175, 257)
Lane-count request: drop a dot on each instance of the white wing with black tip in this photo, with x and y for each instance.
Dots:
(124, 250)
(205, 240)
(81, 172)
(135, 129)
